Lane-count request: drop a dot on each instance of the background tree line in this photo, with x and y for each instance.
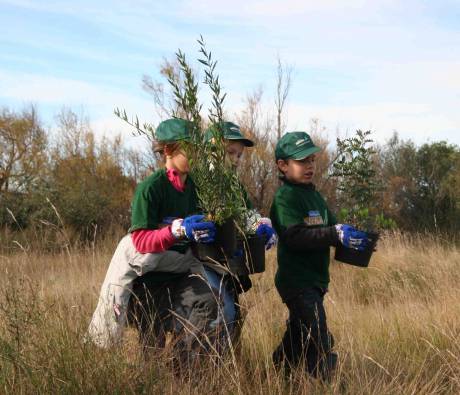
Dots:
(68, 187)
(64, 187)
(74, 183)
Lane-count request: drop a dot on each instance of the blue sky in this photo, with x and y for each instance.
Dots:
(382, 65)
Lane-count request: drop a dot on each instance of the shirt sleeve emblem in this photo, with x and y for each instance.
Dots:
(313, 219)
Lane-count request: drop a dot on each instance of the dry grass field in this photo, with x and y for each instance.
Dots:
(396, 324)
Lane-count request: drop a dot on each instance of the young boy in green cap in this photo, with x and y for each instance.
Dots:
(306, 229)
(163, 222)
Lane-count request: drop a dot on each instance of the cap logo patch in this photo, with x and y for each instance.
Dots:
(234, 129)
(301, 142)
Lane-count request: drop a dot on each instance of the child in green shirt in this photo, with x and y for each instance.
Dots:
(163, 222)
(306, 229)
(229, 285)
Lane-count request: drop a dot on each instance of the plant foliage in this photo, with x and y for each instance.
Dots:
(219, 190)
(357, 183)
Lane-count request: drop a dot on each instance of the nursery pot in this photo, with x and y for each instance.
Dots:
(226, 237)
(252, 257)
(355, 257)
(224, 245)
(255, 252)
(208, 251)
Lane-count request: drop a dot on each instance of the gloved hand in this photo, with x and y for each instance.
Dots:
(264, 228)
(194, 229)
(176, 226)
(351, 237)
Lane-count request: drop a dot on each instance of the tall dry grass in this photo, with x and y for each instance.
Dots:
(396, 325)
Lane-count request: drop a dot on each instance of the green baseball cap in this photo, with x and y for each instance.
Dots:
(231, 132)
(174, 129)
(295, 145)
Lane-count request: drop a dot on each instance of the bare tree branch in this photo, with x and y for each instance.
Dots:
(283, 85)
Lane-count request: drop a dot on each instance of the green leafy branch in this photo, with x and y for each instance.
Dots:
(218, 187)
(212, 80)
(355, 171)
(146, 129)
(219, 191)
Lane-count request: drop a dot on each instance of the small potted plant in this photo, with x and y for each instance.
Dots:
(219, 190)
(357, 186)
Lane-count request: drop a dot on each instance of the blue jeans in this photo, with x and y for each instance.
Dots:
(226, 293)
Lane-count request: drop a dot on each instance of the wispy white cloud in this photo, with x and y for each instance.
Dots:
(46, 89)
(262, 9)
(415, 121)
(142, 21)
(423, 78)
(97, 100)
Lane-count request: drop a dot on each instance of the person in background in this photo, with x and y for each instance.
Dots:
(228, 284)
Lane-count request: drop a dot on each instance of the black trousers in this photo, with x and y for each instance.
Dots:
(307, 339)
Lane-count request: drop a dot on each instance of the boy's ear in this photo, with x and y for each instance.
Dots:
(282, 164)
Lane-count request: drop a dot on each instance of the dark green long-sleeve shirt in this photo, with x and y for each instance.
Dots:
(303, 222)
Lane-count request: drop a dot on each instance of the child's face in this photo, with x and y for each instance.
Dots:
(177, 159)
(298, 171)
(234, 151)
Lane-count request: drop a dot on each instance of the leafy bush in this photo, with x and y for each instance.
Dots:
(357, 184)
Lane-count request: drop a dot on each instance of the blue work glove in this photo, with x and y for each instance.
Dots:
(192, 228)
(264, 229)
(351, 237)
(195, 229)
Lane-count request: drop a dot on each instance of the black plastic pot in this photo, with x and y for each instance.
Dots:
(226, 237)
(205, 252)
(255, 252)
(355, 257)
(250, 260)
(224, 246)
